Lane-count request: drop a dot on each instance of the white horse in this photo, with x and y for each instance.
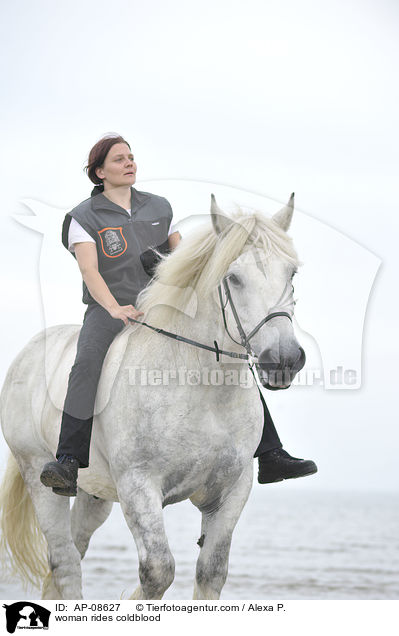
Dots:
(158, 438)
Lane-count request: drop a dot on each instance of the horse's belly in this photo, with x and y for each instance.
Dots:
(97, 481)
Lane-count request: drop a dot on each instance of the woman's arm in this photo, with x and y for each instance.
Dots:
(86, 255)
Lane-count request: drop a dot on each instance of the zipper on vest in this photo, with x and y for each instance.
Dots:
(134, 236)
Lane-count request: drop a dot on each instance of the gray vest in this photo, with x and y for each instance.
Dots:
(124, 242)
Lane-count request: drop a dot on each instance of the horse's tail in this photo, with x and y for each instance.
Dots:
(23, 547)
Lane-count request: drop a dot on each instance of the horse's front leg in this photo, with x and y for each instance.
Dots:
(142, 506)
(216, 533)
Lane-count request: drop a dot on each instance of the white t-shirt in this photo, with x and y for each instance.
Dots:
(77, 234)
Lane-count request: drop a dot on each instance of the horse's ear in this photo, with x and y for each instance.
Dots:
(283, 217)
(219, 221)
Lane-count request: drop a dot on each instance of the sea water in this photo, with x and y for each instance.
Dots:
(288, 544)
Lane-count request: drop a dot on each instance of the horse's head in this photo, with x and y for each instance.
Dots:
(257, 293)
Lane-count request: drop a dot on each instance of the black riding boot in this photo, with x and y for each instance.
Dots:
(72, 453)
(75, 438)
(61, 476)
(275, 464)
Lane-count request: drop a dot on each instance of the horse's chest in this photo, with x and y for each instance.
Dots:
(207, 471)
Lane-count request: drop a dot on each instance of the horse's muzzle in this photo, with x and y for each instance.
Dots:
(279, 375)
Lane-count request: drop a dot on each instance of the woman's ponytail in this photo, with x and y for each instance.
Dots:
(97, 190)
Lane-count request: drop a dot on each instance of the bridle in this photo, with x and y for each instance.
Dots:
(245, 339)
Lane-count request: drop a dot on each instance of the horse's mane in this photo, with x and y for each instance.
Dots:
(193, 270)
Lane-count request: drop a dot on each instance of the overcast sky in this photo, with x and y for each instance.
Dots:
(266, 97)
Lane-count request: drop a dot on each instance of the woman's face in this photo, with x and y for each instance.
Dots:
(119, 168)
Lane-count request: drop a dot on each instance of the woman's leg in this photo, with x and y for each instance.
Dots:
(275, 464)
(97, 333)
(270, 438)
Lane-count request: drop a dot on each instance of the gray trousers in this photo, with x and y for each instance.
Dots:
(97, 333)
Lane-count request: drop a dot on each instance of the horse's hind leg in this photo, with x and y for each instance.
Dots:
(216, 533)
(53, 514)
(142, 508)
(88, 513)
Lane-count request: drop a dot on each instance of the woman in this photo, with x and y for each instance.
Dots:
(111, 235)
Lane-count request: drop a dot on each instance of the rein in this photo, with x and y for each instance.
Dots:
(249, 356)
(176, 336)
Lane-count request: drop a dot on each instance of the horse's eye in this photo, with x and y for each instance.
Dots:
(234, 280)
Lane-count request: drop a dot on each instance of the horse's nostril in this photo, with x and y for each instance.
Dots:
(302, 359)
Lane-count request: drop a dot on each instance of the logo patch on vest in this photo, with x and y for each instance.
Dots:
(113, 242)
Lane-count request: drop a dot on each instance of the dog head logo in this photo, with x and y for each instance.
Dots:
(26, 615)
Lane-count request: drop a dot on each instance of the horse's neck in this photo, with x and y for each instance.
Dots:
(205, 327)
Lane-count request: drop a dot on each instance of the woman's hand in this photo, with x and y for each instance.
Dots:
(123, 312)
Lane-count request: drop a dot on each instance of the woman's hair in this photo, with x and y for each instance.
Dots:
(97, 157)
